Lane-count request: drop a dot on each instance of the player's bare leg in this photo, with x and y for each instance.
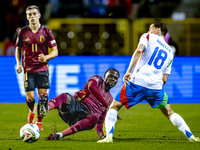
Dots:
(42, 107)
(179, 122)
(30, 101)
(110, 120)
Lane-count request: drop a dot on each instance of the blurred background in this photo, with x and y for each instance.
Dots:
(105, 27)
(94, 35)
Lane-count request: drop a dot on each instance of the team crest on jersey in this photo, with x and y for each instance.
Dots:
(41, 38)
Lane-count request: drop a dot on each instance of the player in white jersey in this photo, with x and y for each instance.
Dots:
(155, 61)
(152, 61)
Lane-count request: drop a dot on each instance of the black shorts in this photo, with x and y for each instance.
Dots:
(36, 79)
(73, 112)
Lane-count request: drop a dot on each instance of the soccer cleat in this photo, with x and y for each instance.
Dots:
(31, 117)
(106, 140)
(195, 140)
(39, 126)
(53, 137)
(43, 104)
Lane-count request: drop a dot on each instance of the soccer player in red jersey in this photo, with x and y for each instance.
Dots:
(87, 108)
(34, 40)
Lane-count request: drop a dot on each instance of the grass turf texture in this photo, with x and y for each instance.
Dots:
(141, 128)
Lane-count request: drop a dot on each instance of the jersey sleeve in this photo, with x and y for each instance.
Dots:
(169, 66)
(144, 39)
(52, 41)
(19, 40)
(93, 87)
(97, 78)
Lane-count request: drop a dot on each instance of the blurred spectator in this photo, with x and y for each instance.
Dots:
(15, 15)
(107, 8)
(9, 44)
(9, 47)
(157, 8)
(197, 13)
(71, 8)
(119, 8)
(3, 21)
(95, 8)
(51, 10)
(135, 5)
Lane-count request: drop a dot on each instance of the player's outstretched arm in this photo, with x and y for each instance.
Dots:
(93, 88)
(135, 57)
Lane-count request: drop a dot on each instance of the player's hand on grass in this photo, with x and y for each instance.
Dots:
(19, 68)
(42, 58)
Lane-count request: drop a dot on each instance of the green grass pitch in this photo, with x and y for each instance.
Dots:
(142, 128)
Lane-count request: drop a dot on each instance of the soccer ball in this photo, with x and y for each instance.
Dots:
(29, 133)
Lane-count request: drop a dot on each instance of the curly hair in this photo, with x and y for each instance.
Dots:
(113, 69)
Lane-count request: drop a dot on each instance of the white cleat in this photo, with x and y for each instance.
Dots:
(106, 140)
(195, 140)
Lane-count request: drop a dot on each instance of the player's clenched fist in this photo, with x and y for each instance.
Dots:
(19, 68)
(42, 58)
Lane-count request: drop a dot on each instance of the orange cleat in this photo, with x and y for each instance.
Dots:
(39, 126)
(31, 118)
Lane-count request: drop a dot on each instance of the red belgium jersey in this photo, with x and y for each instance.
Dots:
(34, 44)
(90, 101)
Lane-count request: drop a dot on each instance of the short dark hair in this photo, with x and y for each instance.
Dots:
(113, 69)
(162, 26)
(33, 7)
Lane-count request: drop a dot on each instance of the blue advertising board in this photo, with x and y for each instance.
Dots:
(70, 73)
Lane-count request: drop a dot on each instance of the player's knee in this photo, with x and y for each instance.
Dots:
(29, 98)
(93, 118)
(170, 112)
(65, 98)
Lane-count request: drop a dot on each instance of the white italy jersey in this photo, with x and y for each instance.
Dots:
(155, 61)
